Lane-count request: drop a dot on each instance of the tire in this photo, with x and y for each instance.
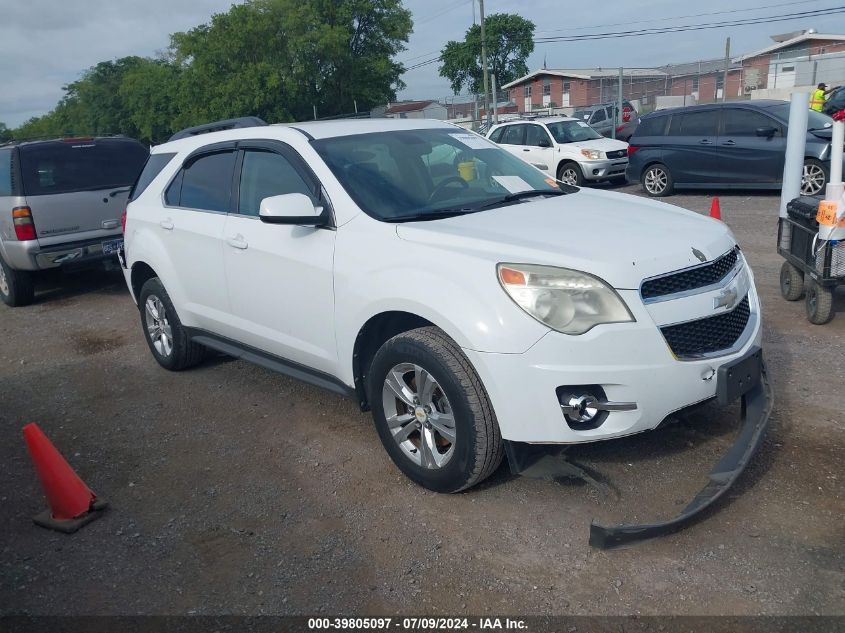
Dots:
(819, 302)
(657, 180)
(814, 178)
(463, 454)
(17, 287)
(171, 347)
(570, 173)
(791, 282)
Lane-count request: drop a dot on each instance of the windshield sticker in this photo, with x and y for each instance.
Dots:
(472, 141)
(514, 184)
(582, 124)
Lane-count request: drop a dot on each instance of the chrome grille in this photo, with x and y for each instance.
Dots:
(690, 279)
(620, 153)
(708, 335)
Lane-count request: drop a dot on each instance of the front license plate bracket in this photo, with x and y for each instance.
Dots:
(738, 377)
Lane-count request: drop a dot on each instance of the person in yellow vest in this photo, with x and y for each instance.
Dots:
(820, 97)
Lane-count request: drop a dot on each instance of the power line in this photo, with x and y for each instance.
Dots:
(679, 17)
(670, 29)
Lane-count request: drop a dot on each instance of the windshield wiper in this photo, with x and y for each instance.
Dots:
(437, 214)
(521, 195)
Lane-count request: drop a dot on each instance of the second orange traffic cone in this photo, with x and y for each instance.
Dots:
(72, 503)
(715, 209)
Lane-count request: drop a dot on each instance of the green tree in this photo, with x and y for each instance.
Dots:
(5, 133)
(510, 40)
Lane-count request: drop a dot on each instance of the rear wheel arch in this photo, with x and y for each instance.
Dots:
(141, 273)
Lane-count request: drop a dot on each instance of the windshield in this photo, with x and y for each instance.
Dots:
(815, 120)
(425, 174)
(83, 165)
(572, 131)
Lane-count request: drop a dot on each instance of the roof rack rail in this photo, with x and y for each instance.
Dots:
(54, 137)
(217, 126)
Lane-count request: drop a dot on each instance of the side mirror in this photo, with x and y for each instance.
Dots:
(768, 131)
(544, 143)
(292, 208)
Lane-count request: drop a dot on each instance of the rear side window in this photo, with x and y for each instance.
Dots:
(513, 135)
(5, 172)
(598, 116)
(152, 168)
(742, 122)
(266, 174)
(67, 166)
(205, 183)
(652, 126)
(497, 134)
(694, 123)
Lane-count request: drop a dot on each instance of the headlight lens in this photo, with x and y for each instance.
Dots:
(592, 154)
(565, 300)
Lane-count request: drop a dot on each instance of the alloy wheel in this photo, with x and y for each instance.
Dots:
(419, 415)
(4, 282)
(812, 180)
(656, 180)
(569, 176)
(158, 326)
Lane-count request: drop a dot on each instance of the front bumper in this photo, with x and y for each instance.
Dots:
(601, 169)
(30, 255)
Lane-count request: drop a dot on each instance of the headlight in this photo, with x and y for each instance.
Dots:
(592, 154)
(565, 300)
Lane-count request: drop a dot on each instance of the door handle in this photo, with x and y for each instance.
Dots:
(109, 224)
(729, 143)
(526, 149)
(167, 224)
(705, 141)
(237, 242)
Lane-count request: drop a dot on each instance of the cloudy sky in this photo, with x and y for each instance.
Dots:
(45, 44)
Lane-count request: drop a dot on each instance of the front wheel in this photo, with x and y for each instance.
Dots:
(813, 178)
(432, 412)
(570, 173)
(657, 180)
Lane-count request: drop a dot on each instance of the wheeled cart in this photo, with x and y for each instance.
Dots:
(813, 267)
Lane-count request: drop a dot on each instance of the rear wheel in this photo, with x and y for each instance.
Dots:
(570, 173)
(16, 286)
(819, 302)
(432, 413)
(166, 336)
(814, 177)
(657, 181)
(791, 282)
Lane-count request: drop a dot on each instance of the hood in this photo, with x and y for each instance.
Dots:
(603, 144)
(620, 238)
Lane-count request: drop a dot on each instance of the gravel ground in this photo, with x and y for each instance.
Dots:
(234, 490)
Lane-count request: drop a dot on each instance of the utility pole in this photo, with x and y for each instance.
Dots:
(618, 118)
(727, 65)
(484, 63)
(495, 98)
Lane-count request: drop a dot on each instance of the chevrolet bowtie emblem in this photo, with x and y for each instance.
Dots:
(727, 299)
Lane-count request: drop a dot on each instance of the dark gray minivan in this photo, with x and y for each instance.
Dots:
(735, 145)
(61, 203)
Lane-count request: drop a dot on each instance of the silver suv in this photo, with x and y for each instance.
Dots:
(60, 205)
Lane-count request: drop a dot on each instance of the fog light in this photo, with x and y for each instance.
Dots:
(586, 407)
(580, 408)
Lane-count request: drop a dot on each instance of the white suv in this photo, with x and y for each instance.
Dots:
(456, 291)
(564, 148)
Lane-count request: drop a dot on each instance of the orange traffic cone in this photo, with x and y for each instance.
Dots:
(715, 209)
(72, 504)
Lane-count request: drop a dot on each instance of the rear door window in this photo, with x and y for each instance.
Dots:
(205, 183)
(535, 134)
(497, 134)
(152, 168)
(80, 165)
(513, 135)
(652, 126)
(5, 172)
(702, 123)
(742, 122)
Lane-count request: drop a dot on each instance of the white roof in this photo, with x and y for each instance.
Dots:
(795, 40)
(545, 119)
(315, 129)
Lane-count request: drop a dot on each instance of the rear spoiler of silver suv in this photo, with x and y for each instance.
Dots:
(217, 126)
